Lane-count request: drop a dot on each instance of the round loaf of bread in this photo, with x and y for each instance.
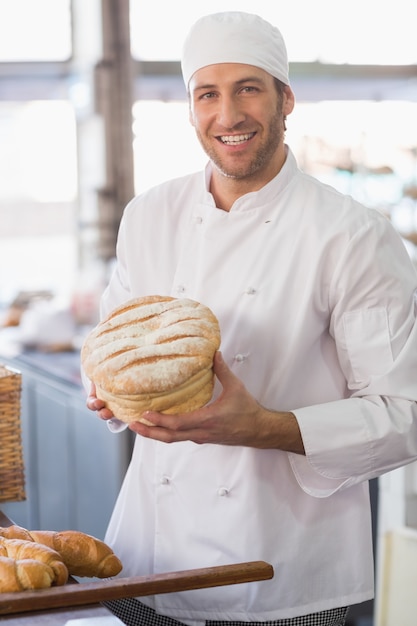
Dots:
(153, 353)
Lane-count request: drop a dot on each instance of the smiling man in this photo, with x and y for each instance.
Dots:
(315, 383)
(239, 112)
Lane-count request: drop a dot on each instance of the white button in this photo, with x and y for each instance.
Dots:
(165, 480)
(251, 291)
(198, 219)
(223, 491)
(240, 357)
(180, 289)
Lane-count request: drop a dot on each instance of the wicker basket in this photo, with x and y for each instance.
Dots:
(12, 479)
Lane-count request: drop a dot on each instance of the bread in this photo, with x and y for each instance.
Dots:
(15, 532)
(83, 554)
(20, 549)
(153, 353)
(24, 574)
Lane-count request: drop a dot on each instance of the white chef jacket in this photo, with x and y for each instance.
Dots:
(315, 295)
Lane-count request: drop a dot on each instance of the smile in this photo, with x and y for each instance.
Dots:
(235, 140)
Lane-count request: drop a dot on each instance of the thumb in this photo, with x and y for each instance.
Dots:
(222, 371)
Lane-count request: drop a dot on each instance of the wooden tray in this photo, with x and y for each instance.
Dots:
(72, 595)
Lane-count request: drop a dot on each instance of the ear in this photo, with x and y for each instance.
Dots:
(289, 100)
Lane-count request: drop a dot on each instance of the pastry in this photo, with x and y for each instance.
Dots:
(83, 554)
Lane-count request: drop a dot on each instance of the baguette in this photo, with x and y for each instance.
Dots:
(21, 549)
(24, 574)
(83, 554)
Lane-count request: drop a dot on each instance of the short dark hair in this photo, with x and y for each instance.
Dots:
(280, 87)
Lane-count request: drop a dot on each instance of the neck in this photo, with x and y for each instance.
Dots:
(226, 189)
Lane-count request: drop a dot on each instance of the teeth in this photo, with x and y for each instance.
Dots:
(236, 139)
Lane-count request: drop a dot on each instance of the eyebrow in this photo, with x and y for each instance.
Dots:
(241, 81)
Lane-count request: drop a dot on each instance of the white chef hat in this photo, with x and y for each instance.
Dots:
(234, 37)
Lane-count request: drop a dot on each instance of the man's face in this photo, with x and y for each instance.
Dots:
(238, 116)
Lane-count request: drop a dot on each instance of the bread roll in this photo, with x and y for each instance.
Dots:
(23, 574)
(21, 550)
(82, 554)
(153, 353)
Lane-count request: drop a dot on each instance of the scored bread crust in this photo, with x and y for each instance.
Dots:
(153, 353)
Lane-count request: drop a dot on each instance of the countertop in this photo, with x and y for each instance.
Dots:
(63, 366)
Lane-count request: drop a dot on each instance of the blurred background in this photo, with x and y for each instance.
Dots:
(93, 111)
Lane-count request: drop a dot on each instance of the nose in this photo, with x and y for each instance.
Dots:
(229, 113)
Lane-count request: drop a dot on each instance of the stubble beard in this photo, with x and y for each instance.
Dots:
(261, 158)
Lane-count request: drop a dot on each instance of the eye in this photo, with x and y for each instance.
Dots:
(206, 95)
(249, 89)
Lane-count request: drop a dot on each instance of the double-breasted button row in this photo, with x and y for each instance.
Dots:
(221, 491)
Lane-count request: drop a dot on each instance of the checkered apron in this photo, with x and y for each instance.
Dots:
(133, 613)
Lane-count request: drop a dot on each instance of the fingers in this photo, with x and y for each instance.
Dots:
(154, 431)
(166, 433)
(95, 404)
(173, 422)
(99, 407)
(150, 432)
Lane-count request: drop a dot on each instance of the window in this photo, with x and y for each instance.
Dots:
(38, 186)
(35, 30)
(363, 32)
(356, 133)
(38, 189)
(38, 156)
(40, 234)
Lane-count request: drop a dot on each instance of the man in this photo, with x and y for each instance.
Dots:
(316, 387)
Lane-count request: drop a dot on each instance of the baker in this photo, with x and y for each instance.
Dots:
(315, 379)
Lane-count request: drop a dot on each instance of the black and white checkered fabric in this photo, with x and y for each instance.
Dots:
(133, 613)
